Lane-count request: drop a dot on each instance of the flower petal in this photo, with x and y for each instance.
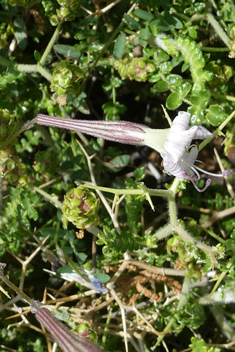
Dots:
(177, 141)
(202, 133)
(181, 121)
(171, 167)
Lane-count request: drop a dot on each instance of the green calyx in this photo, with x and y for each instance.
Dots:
(66, 77)
(138, 69)
(80, 207)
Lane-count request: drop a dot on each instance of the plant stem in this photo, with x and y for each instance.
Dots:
(50, 45)
(14, 288)
(210, 49)
(35, 68)
(52, 199)
(152, 192)
(25, 127)
(217, 131)
(219, 30)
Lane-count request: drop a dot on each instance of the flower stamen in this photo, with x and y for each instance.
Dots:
(208, 182)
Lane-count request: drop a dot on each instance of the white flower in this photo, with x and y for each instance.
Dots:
(174, 143)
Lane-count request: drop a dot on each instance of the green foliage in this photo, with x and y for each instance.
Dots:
(198, 345)
(89, 60)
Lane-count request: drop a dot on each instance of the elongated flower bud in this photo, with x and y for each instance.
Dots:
(68, 341)
(116, 131)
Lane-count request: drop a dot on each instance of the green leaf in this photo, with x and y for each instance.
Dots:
(166, 67)
(160, 56)
(67, 50)
(80, 103)
(143, 15)
(119, 163)
(144, 36)
(173, 80)
(198, 345)
(199, 102)
(119, 46)
(172, 20)
(173, 101)
(102, 277)
(131, 22)
(161, 86)
(183, 89)
(113, 110)
(139, 173)
(216, 115)
(37, 55)
(20, 33)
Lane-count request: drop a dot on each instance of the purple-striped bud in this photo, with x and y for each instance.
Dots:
(116, 131)
(68, 341)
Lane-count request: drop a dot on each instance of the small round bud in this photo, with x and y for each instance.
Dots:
(80, 207)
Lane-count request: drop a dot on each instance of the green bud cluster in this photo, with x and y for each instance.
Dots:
(46, 163)
(139, 69)
(80, 207)
(12, 169)
(65, 13)
(66, 78)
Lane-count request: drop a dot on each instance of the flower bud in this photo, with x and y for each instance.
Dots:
(66, 77)
(80, 207)
(138, 69)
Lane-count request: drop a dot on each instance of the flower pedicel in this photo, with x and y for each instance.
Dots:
(173, 144)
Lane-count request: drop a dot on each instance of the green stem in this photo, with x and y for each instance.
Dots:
(35, 68)
(172, 210)
(222, 97)
(224, 325)
(5, 62)
(15, 288)
(217, 131)
(152, 192)
(218, 50)
(50, 45)
(52, 199)
(25, 127)
(163, 232)
(106, 329)
(222, 276)
(219, 30)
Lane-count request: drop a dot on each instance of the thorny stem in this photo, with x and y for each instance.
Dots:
(12, 286)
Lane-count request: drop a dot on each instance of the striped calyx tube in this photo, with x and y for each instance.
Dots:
(116, 131)
(68, 341)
